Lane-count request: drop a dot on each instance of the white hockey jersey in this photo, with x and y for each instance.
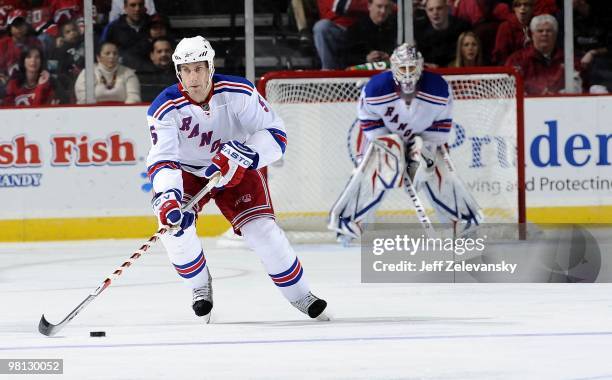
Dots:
(187, 135)
(381, 110)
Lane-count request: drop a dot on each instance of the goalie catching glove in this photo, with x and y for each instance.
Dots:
(167, 207)
(232, 161)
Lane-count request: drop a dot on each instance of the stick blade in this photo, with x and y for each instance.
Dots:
(46, 328)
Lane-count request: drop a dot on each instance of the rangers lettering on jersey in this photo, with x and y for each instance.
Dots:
(233, 111)
(381, 110)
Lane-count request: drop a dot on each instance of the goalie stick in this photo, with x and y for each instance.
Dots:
(418, 206)
(49, 329)
(409, 175)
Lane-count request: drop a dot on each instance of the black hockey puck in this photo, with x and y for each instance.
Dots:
(97, 333)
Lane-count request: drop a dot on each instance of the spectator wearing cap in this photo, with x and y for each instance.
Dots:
(10, 5)
(373, 37)
(130, 32)
(113, 81)
(6, 7)
(159, 72)
(12, 45)
(31, 85)
(513, 34)
(69, 8)
(437, 40)
(330, 31)
(541, 64)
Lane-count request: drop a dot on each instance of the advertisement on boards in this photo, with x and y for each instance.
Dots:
(74, 162)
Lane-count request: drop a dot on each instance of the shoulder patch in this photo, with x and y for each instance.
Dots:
(433, 88)
(381, 89)
(232, 83)
(168, 100)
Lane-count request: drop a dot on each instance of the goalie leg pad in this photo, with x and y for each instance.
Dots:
(381, 169)
(447, 193)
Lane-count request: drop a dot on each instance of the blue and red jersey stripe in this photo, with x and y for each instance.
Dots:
(156, 167)
(369, 125)
(441, 126)
(280, 137)
(229, 86)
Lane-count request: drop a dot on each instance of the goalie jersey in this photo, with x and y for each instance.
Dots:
(187, 135)
(382, 111)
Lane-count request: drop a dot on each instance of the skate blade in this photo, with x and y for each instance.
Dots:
(323, 317)
(206, 318)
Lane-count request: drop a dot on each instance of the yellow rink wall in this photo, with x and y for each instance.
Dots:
(213, 225)
(97, 228)
(80, 172)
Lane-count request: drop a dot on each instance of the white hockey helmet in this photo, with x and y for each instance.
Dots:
(407, 67)
(194, 49)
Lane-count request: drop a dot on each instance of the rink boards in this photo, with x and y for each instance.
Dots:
(79, 172)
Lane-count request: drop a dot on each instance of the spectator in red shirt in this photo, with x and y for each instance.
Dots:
(330, 32)
(6, 7)
(545, 7)
(11, 46)
(471, 11)
(31, 86)
(541, 65)
(513, 34)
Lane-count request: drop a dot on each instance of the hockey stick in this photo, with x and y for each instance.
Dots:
(411, 190)
(49, 329)
(418, 206)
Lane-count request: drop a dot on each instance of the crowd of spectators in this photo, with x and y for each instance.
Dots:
(42, 52)
(42, 46)
(524, 34)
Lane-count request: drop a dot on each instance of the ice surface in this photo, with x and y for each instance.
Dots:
(387, 331)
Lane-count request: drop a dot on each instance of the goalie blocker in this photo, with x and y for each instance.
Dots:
(424, 169)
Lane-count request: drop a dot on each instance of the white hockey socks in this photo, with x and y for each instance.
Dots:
(187, 256)
(268, 240)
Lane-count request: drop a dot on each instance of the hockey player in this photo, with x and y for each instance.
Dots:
(209, 123)
(405, 115)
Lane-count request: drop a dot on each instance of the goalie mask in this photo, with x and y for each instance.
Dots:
(194, 49)
(406, 66)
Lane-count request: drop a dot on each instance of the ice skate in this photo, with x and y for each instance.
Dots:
(312, 306)
(202, 300)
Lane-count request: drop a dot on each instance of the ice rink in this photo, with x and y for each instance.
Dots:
(390, 331)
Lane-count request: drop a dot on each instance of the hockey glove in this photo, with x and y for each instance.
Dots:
(232, 161)
(167, 207)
